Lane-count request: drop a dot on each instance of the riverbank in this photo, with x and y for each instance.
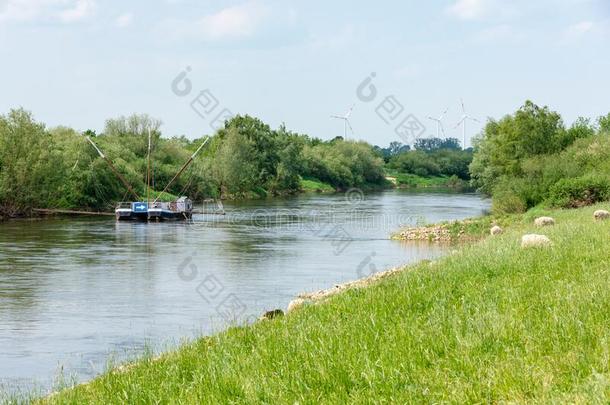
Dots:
(489, 323)
(307, 186)
(410, 180)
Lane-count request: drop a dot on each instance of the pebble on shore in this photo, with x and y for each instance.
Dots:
(433, 233)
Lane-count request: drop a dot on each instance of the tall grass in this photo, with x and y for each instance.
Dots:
(490, 323)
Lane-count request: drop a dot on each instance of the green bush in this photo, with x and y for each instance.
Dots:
(530, 158)
(581, 191)
(509, 196)
(343, 164)
(508, 202)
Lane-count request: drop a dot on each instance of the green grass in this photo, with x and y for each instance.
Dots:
(487, 324)
(413, 181)
(312, 185)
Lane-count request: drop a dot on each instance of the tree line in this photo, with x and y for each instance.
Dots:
(532, 158)
(522, 160)
(58, 168)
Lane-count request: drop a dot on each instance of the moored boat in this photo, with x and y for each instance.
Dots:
(181, 209)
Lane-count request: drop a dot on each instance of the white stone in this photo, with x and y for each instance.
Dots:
(295, 304)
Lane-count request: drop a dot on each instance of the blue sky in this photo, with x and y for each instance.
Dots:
(79, 62)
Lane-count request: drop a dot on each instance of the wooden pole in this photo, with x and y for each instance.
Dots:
(188, 162)
(72, 212)
(148, 173)
(116, 172)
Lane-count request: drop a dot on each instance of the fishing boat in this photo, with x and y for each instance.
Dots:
(180, 209)
(147, 210)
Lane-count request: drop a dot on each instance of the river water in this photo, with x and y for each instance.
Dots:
(77, 294)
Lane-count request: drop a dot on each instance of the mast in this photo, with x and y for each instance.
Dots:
(123, 180)
(186, 164)
(148, 172)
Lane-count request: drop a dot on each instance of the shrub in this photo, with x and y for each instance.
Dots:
(510, 196)
(581, 191)
(508, 202)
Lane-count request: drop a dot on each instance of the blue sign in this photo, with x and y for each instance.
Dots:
(139, 207)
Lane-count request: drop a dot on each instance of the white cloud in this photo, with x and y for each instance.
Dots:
(333, 40)
(470, 9)
(15, 10)
(501, 32)
(580, 29)
(78, 11)
(124, 20)
(260, 22)
(587, 29)
(407, 72)
(33, 10)
(237, 22)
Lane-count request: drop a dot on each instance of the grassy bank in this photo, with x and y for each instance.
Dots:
(409, 180)
(490, 323)
(312, 185)
(469, 230)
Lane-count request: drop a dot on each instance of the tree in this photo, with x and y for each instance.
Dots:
(31, 168)
(394, 149)
(343, 164)
(604, 124)
(450, 143)
(235, 162)
(531, 131)
(434, 144)
(290, 166)
(264, 143)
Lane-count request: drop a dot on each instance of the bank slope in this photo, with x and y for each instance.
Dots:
(489, 323)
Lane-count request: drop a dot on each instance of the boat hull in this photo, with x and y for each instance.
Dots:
(167, 215)
(179, 210)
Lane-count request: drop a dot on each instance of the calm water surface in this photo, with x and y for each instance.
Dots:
(76, 293)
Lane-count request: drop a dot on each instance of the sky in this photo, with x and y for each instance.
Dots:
(191, 63)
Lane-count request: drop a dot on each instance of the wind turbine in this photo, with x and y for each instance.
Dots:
(439, 123)
(462, 122)
(345, 119)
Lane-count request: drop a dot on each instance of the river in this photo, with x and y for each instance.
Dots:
(77, 294)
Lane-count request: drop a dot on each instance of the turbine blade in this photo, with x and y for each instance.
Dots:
(336, 116)
(349, 112)
(460, 123)
(463, 108)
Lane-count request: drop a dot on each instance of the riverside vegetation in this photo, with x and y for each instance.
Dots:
(57, 168)
(530, 158)
(522, 160)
